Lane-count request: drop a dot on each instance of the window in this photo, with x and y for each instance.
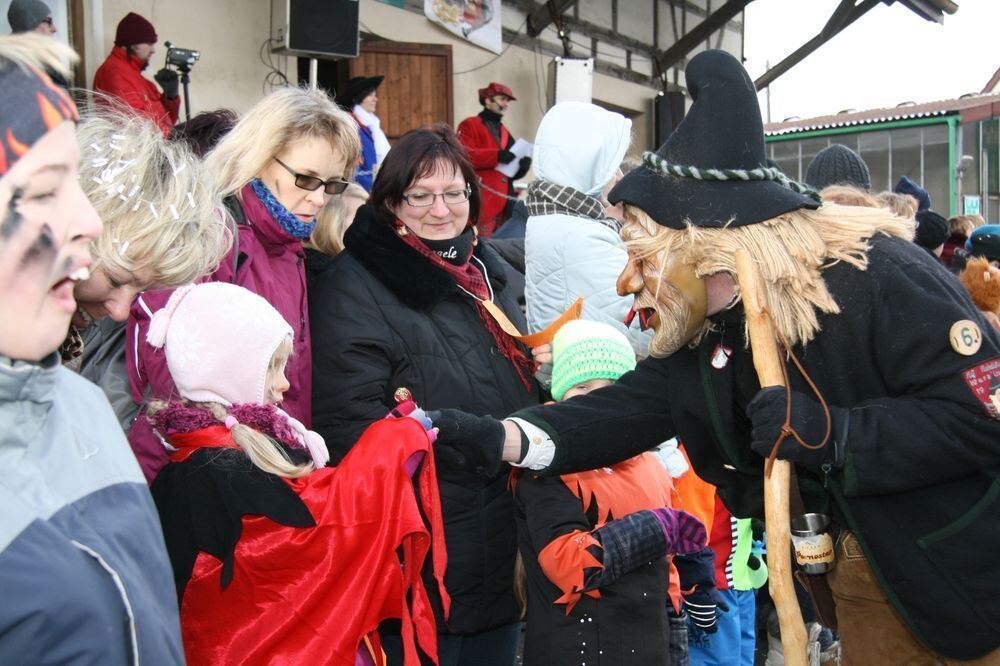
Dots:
(937, 170)
(874, 150)
(786, 154)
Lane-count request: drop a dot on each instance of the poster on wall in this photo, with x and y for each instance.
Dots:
(476, 20)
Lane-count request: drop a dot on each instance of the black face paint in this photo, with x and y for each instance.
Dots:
(12, 218)
(43, 249)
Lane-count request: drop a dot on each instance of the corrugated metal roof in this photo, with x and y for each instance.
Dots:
(883, 115)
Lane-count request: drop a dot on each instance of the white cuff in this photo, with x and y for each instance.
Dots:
(541, 448)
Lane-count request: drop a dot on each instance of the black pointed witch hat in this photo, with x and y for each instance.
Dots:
(712, 170)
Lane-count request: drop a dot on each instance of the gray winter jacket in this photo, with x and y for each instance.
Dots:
(84, 575)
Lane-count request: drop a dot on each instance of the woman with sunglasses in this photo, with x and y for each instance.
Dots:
(276, 168)
(403, 310)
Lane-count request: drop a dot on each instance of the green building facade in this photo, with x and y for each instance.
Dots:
(951, 147)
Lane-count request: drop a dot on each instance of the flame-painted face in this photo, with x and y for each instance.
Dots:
(669, 297)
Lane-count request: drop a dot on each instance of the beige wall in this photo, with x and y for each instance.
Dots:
(229, 34)
(524, 71)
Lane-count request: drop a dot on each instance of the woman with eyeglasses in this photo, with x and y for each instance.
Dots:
(402, 311)
(276, 168)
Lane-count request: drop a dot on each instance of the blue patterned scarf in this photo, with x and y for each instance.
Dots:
(291, 224)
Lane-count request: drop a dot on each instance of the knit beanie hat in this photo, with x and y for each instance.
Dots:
(907, 185)
(838, 165)
(585, 350)
(25, 15)
(134, 29)
(932, 229)
(219, 339)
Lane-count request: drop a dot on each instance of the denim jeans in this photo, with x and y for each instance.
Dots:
(734, 641)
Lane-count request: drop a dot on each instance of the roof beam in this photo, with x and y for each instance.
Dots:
(844, 15)
(699, 33)
(540, 18)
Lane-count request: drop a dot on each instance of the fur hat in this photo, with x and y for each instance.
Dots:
(585, 350)
(219, 339)
(838, 165)
(26, 15)
(932, 229)
(712, 171)
(134, 29)
(982, 281)
(495, 89)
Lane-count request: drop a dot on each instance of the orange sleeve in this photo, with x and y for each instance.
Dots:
(563, 561)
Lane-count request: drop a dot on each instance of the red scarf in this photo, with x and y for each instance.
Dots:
(469, 278)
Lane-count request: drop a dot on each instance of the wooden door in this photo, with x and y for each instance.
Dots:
(417, 89)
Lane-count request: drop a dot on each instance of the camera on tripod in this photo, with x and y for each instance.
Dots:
(182, 59)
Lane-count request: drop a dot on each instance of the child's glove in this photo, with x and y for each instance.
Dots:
(684, 532)
(758, 543)
(702, 600)
(409, 410)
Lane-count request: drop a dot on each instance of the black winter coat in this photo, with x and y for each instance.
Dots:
(921, 483)
(382, 318)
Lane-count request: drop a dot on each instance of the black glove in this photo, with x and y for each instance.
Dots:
(523, 165)
(767, 413)
(469, 442)
(702, 600)
(167, 78)
(505, 157)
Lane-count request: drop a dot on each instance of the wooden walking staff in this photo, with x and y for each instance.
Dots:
(767, 361)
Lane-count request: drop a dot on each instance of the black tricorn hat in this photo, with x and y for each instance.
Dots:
(359, 87)
(712, 171)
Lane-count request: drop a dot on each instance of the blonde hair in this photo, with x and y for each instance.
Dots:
(265, 454)
(903, 205)
(965, 224)
(845, 195)
(152, 196)
(284, 116)
(31, 50)
(332, 222)
(791, 251)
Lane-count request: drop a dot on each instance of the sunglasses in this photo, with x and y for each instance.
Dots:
(312, 183)
(47, 19)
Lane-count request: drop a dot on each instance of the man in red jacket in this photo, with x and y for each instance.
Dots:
(488, 143)
(120, 76)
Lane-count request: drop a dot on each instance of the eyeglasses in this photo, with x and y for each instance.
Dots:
(47, 19)
(312, 183)
(424, 199)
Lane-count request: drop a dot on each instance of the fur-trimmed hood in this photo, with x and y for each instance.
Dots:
(414, 280)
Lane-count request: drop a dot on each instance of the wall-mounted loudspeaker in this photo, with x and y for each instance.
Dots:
(315, 28)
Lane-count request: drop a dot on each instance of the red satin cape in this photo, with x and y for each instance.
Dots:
(312, 595)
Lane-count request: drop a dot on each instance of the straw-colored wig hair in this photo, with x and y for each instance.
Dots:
(31, 50)
(791, 251)
(152, 196)
(332, 221)
(845, 195)
(281, 118)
